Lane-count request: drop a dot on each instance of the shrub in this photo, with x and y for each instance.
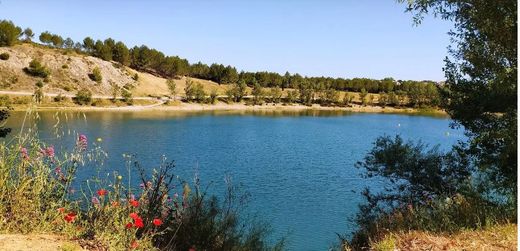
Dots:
(96, 75)
(135, 77)
(65, 66)
(4, 56)
(5, 101)
(60, 98)
(36, 69)
(127, 96)
(213, 96)
(83, 97)
(423, 189)
(194, 91)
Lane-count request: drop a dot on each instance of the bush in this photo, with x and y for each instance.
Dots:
(424, 189)
(194, 92)
(4, 56)
(127, 96)
(96, 75)
(60, 98)
(5, 101)
(83, 97)
(36, 69)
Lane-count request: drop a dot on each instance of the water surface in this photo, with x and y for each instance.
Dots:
(297, 166)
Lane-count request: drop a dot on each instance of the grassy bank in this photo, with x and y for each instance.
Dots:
(498, 237)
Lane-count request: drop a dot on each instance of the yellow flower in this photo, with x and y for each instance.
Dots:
(99, 139)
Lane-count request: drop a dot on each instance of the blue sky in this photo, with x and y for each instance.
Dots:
(363, 38)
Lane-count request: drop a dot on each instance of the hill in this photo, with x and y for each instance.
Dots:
(69, 72)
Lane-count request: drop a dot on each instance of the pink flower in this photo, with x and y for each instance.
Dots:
(82, 142)
(24, 153)
(95, 200)
(49, 152)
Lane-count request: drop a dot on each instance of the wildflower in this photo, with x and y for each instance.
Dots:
(61, 210)
(133, 202)
(157, 222)
(102, 192)
(24, 153)
(69, 217)
(49, 152)
(191, 249)
(134, 216)
(82, 142)
(138, 222)
(134, 244)
(57, 170)
(115, 203)
(119, 177)
(95, 200)
(128, 225)
(99, 140)
(175, 195)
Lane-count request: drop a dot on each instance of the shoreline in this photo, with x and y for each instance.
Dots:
(195, 107)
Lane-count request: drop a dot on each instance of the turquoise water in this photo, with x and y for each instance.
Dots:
(298, 167)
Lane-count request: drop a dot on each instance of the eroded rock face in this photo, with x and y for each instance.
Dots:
(69, 70)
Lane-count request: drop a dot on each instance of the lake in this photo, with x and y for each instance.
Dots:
(297, 166)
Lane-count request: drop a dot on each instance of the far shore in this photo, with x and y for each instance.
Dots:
(195, 107)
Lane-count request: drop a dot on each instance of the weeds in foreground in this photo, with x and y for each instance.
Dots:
(41, 193)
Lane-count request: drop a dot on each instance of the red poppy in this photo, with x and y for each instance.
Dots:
(134, 244)
(191, 249)
(69, 217)
(134, 203)
(138, 223)
(61, 210)
(157, 222)
(134, 216)
(129, 225)
(102, 192)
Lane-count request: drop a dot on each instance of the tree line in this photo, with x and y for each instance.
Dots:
(143, 58)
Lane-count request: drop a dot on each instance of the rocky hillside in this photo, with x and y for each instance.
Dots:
(70, 71)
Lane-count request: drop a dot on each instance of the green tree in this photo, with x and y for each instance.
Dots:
(38, 92)
(127, 96)
(258, 94)
(481, 85)
(213, 96)
(88, 44)
(275, 94)
(68, 43)
(237, 91)
(46, 37)
(363, 96)
(121, 54)
(28, 34)
(57, 41)
(9, 33)
(172, 87)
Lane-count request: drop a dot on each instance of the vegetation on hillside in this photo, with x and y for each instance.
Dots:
(311, 89)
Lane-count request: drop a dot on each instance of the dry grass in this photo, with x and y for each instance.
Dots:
(42, 242)
(500, 237)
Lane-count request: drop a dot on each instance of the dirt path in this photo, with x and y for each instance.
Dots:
(41, 242)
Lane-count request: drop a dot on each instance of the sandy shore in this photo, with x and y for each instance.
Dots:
(194, 107)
